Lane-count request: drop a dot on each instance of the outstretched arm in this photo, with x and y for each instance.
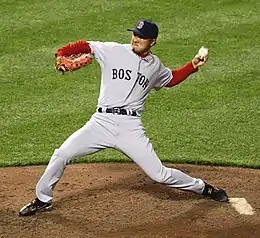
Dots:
(74, 48)
(180, 74)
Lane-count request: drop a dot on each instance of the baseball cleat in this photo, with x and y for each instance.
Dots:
(215, 193)
(34, 206)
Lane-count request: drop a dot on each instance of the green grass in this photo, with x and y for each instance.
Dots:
(212, 118)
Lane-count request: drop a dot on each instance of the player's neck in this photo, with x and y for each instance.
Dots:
(143, 55)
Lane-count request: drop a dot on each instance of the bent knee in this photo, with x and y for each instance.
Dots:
(157, 178)
(61, 154)
(163, 175)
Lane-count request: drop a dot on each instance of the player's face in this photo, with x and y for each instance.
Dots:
(140, 45)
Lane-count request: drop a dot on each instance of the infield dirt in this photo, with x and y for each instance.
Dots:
(119, 200)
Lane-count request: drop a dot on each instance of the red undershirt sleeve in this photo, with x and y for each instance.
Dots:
(180, 74)
(76, 47)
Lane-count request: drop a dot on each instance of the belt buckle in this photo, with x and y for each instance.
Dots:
(116, 110)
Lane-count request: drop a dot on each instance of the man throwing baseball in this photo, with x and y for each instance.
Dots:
(129, 73)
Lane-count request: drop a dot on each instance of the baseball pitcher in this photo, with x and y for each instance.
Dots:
(128, 73)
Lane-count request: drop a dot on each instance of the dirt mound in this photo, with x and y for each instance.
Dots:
(118, 200)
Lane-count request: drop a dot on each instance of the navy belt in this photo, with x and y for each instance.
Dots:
(118, 111)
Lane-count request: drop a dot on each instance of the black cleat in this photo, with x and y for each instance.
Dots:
(215, 193)
(34, 206)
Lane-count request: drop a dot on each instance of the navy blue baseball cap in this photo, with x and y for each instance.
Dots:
(146, 29)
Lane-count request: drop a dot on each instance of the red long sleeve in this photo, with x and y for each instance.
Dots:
(180, 74)
(76, 47)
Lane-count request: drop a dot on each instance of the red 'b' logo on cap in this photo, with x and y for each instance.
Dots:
(140, 25)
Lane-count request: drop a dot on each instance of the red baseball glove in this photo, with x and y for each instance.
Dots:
(72, 62)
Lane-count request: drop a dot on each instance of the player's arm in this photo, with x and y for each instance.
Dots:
(74, 48)
(180, 74)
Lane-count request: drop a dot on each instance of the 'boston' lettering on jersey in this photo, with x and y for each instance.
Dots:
(126, 75)
(121, 74)
(142, 80)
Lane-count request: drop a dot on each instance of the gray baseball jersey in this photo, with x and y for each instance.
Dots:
(125, 82)
(127, 78)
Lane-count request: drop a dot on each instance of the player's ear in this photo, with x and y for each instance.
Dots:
(153, 42)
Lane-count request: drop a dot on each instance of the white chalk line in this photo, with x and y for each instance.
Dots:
(242, 206)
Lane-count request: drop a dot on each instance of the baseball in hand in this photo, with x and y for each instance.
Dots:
(203, 52)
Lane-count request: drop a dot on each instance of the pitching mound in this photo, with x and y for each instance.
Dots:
(118, 200)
